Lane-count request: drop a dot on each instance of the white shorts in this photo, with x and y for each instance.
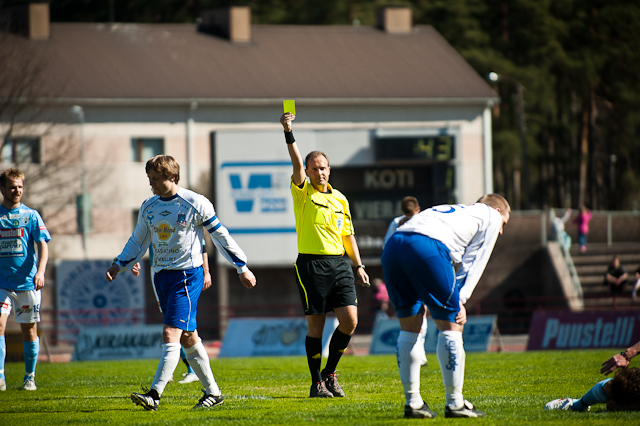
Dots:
(26, 304)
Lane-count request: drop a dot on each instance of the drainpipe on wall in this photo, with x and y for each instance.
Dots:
(190, 143)
(487, 149)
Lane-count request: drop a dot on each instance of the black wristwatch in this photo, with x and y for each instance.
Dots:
(360, 266)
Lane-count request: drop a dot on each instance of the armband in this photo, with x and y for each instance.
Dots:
(288, 137)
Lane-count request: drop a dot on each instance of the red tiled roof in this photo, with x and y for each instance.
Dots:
(174, 61)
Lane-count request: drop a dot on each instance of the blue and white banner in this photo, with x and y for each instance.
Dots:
(108, 343)
(476, 335)
(84, 297)
(270, 337)
(253, 195)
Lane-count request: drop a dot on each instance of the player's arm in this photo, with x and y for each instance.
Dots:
(351, 247)
(299, 175)
(43, 257)
(476, 256)
(226, 245)
(620, 360)
(134, 250)
(205, 269)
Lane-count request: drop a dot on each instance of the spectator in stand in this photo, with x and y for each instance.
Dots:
(582, 222)
(382, 297)
(558, 229)
(616, 277)
(636, 285)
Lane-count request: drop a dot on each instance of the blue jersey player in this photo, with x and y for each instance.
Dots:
(22, 277)
(173, 222)
(417, 263)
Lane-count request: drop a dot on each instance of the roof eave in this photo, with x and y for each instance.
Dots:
(238, 102)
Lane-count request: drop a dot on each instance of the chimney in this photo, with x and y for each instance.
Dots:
(30, 20)
(394, 20)
(232, 22)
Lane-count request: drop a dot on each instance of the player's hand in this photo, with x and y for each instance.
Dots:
(112, 272)
(286, 120)
(38, 280)
(461, 317)
(248, 279)
(207, 281)
(610, 365)
(136, 269)
(363, 278)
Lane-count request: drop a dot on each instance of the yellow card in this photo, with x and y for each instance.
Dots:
(289, 106)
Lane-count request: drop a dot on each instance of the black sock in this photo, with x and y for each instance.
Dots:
(154, 394)
(185, 362)
(314, 357)
(339, 343)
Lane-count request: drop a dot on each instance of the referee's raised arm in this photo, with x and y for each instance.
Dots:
(299, 174)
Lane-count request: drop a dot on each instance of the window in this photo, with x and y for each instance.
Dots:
(21, 150)
(142, 149)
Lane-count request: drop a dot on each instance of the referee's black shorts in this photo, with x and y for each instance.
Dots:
(325, 282)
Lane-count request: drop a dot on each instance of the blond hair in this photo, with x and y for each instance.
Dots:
(9, 174)
(496, 201)
(166, 165)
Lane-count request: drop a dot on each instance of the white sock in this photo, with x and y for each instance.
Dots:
(451, 357)
(199, 361)
(410, 354)
(166, 366)
(423, 336)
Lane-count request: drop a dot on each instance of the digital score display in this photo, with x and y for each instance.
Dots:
(426, 148)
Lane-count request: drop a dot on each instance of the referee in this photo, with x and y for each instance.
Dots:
(325, 278)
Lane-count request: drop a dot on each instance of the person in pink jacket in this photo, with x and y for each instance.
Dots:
(582, 222)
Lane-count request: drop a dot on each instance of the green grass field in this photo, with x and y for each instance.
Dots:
(510, 387)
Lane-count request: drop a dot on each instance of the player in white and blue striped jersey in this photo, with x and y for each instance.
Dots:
(173, 221)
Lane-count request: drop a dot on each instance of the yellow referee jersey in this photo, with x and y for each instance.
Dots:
(321, 219)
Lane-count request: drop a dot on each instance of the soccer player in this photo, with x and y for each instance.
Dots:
(410, 208)
(173, 221)
(325, 279)
(620, 393)
(417, 264)
(620, 360)
(21, 230)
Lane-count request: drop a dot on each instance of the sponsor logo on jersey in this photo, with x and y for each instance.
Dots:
(182, 219)
(164, 230)
(12, 233)
(25, 309)
(4, 306)
(14, 216)
(165, 213)
(26, 219)
(150, 219)
(16, 222)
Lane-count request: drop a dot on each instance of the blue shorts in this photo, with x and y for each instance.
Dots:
(178, 293)
(417, 270)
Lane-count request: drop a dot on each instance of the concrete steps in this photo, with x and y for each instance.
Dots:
(592, 267)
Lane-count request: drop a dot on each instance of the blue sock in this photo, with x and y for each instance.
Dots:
(31, 351)
(3, 354)
(183, 357)
(595, 395)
